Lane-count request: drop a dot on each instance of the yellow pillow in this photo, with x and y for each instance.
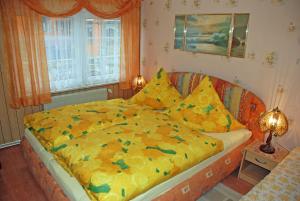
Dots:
(158, 93)
(204, 111)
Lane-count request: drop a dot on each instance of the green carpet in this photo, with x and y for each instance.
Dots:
(220, 193)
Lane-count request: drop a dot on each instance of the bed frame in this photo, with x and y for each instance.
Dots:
(243, 104)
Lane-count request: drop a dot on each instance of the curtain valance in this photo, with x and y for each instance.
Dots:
(101, 8)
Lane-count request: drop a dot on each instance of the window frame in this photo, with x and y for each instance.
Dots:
(80, 21)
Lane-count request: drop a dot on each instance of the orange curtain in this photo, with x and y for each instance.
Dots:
(101, 8)
(130, 48)
(110, 8)
(128, 10)
(55, 8)
(24, 56)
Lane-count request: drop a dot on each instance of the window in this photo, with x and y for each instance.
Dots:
(82, 51)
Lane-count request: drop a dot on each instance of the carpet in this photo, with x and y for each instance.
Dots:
(220, 193)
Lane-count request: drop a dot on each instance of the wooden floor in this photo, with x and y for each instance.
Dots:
(17, 184)
(236, 184)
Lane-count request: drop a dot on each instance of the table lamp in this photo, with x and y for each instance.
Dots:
(138, 83)
(276, 123)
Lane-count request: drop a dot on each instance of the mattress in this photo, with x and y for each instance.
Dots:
(74, 191)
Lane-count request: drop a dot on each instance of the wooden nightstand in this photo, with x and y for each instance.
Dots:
(256, 164)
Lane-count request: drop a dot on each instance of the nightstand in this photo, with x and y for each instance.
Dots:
(256, 164)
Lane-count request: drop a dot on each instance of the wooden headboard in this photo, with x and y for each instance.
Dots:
(244, 105)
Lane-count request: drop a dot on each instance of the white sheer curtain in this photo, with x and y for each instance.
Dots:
(82, 50)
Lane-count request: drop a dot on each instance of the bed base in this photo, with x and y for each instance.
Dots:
(190, 189)
(205, 179)
(40, 172)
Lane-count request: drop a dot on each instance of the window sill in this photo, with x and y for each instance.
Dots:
(69, 91)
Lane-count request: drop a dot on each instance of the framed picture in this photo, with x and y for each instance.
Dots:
(208, 33)
(179, 32)
(220, 34)
(239, 35)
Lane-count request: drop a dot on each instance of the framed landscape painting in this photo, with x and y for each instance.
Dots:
(208, 33)
(239, 35)
(179, 32)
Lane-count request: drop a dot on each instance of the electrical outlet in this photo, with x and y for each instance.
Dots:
(185, 189)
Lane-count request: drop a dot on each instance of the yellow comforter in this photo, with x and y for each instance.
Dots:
(54, 127)
(128, 155)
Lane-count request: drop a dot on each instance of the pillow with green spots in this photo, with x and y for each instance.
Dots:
(204, 111)
(159, 93)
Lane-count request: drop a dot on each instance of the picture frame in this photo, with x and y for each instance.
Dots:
(179, 41)
(239, 34)
(219, 34)
(208, 33)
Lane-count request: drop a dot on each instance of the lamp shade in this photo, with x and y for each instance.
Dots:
(138, 82)
(274, 121)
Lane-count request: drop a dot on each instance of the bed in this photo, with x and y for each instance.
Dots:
(187, 184)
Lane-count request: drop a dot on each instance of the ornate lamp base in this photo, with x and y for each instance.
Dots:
(267, 148)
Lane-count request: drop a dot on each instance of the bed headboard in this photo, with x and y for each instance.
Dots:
(243, 104)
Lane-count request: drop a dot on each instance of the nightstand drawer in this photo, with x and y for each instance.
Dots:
(260, 161)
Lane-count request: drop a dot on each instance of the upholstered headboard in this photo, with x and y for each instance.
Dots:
(243, 104)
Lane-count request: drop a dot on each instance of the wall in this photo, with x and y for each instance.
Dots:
(11, 121)
(274, 28)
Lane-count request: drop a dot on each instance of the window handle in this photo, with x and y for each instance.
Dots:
(262, 162)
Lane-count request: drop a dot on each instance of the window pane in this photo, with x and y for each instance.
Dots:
(60, 53)
(82, 50)
(103, 45)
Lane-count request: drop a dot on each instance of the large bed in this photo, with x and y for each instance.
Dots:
(59, 183)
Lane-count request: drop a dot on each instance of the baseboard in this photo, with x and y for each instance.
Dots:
(9, 144)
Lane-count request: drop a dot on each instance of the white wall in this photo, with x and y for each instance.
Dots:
(268, 32)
